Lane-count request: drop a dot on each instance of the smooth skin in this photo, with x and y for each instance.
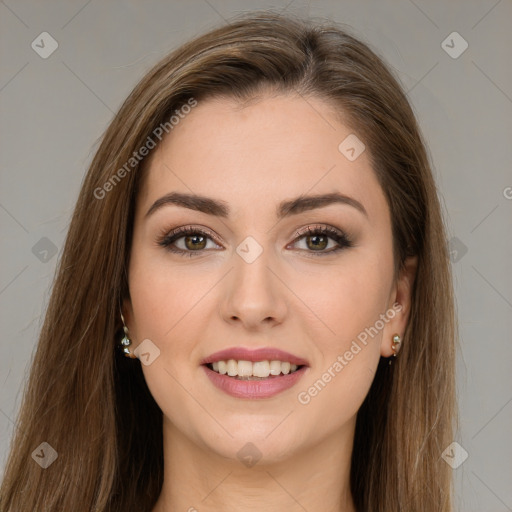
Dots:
(297, 296)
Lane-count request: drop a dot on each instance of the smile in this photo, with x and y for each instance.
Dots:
(251, 386)
(254, 373)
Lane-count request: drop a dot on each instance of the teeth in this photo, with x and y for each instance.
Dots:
(260, 369)
(232, 368)
(246, 369)
(275, 367)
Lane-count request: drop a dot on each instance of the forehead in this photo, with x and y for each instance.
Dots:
(270, 149)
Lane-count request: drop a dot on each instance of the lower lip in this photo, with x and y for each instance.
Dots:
(254, 388)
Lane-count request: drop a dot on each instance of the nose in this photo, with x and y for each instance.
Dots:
(255, 296)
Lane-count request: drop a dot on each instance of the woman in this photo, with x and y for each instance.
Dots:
(259, 235)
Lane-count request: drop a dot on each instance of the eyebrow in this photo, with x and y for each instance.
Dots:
(284, 209)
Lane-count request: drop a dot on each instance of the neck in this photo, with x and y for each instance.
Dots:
(199, 480)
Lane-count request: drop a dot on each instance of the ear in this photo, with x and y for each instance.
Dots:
(400, 300)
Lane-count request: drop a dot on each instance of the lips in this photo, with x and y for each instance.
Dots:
(254, 355)
(254, 387)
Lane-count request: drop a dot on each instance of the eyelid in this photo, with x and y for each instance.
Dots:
(184, 230)
(311, 228)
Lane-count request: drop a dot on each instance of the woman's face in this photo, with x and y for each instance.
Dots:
(257, 272)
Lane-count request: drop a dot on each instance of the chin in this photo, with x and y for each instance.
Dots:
(250, 447)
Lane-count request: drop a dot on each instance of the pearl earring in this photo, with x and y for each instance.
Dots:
(395, 345)
(126, 341)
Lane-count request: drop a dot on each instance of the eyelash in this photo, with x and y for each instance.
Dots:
(167, 239)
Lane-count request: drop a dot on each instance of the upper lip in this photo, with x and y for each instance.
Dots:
(259, 354)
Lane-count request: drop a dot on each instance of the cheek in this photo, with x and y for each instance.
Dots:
(163, 296)
(349, 305)
(337, 392)
(347, 356)
(346, 299)
(168, 310)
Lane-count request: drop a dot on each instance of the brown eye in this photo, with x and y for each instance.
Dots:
(317, 242)
(188, 241)
(195, 242)
(322, 240)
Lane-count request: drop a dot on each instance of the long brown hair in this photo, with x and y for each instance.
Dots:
(93, 406)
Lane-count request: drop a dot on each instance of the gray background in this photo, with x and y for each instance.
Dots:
(54, 110)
